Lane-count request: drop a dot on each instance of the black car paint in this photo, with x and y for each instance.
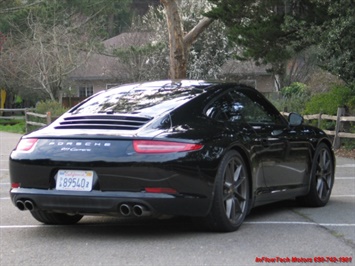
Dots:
(118, 169)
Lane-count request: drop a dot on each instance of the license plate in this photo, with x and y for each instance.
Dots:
(74, 180)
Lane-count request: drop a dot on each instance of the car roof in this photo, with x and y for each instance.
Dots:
(183, 83)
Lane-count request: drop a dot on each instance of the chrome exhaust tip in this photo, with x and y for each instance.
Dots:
(139, 211)
(20, 205)
(125, 209)
(29, 205)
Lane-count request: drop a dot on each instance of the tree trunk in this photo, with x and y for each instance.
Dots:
(177, 69)
(60, 96)
(178, 43)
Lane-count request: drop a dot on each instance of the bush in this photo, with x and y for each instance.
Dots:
(351, 105)
(55, 108)
(292, 98)
(329, 102)
(348, 144)
(295, 89)
(42, 107)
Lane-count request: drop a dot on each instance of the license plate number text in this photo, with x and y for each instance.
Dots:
(74, 180)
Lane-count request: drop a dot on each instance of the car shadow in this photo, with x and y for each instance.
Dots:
(95, 226)
(272, 208)
(117, 227)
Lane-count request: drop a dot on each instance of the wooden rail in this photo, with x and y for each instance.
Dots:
(22, 110)
(27, 115)
(339, 118)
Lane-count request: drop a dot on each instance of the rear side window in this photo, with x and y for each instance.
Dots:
(243, 105)
(221, 109)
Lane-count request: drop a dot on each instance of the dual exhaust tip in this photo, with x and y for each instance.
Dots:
(23, 205)
(137, 210)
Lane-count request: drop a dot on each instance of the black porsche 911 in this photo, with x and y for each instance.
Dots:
(209, 150)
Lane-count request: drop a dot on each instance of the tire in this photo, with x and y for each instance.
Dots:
(55, 218)
(322, 178)
(231, 195)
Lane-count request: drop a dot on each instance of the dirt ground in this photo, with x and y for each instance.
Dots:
(345, 153)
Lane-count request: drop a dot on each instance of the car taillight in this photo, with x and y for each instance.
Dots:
(153, 146)
(26, 144)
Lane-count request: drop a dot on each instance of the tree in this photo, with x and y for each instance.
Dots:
(203, 59)
(274, 31)
(49, 40)
(112, 16)
(257, 27)
(137, 58)
(43, 54)
(337, 37)
(179, 43)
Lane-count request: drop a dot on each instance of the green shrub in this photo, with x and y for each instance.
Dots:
(43, 107)
(295, 89)
(329, 102)
(352, 127)
(292, 98)
(348, 144)
(55, 108)
(351, 105)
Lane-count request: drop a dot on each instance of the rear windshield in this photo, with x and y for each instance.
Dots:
(148, 99)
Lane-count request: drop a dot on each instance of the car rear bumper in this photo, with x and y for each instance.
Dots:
(110, 203)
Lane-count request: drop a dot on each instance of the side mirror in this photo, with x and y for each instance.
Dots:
(295, 119)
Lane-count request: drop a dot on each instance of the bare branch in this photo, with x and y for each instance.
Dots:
(193, 34)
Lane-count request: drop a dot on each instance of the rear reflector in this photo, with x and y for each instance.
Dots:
(160, 190)
(152, 146)
(15, 185)
(26, 144)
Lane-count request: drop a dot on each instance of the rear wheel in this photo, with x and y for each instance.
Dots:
(56, 218)
(231, 198)
(322, 178)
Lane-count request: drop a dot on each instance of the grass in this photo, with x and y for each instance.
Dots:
(13, 126)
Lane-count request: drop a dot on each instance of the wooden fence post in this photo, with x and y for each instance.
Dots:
(49, 119)
(336, 142)
(26, 119)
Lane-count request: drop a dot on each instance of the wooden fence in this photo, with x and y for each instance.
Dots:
(47, 116)
(16, 110)
(339, 119)
(27, 117)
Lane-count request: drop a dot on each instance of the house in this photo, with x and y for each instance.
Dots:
(250, 74)
(103, 70)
